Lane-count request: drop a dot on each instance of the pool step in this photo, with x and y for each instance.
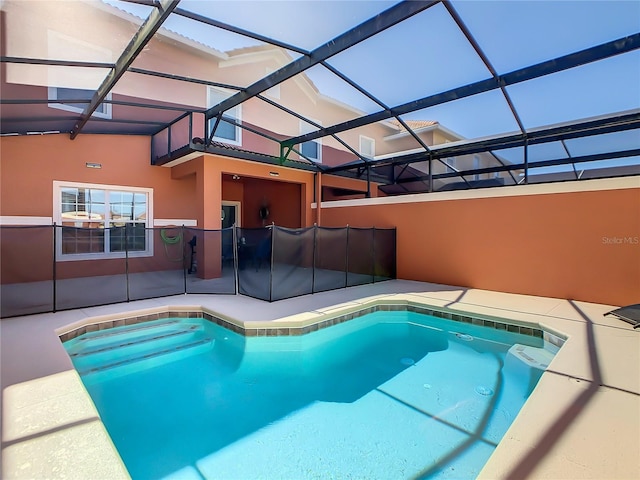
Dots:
(123, 350)
(117, 336)
(124, 366)
(204, 342)
(133, 342)
(139, 327)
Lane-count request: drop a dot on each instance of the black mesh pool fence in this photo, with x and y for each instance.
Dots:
(275, 263)
(209, 261)
(26, 270)
(292, 262)
(50, 268)
(254, 262)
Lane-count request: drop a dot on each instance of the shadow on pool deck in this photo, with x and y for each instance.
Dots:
(565, 429)
(526, 465)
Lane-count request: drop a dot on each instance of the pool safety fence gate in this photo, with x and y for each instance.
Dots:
(50, 268)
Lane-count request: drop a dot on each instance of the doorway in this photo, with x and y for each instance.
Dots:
(231, 214)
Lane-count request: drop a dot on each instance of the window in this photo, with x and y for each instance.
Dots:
(225, 132)
(58, 95)
(313, 148)
(310, 150)
(451, 163)
(367, 147)
(476, 166)
(102, 221)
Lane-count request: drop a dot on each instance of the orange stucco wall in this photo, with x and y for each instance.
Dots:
(193, 190)
(210, 172)
(30, 164)
(281, 198)
(582, 245)
(289, 195)
(232, 190)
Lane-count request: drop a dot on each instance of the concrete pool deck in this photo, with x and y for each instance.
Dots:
(582, 420)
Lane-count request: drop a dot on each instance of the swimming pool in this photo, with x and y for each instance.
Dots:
(387, 395)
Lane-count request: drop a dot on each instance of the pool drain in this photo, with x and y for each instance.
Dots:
(482, 390)
(407, 361)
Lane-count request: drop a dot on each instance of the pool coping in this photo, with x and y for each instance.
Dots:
(295, 327)
(566, 377)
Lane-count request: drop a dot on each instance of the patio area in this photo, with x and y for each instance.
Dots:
(565, 430)
(491, 160)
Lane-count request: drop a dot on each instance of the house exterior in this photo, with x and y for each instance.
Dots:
(102, 181)
(62, 32)
(105, 178)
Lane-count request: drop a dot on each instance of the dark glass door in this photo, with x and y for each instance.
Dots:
(228, 215)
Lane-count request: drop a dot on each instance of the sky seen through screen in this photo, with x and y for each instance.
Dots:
(429, 54)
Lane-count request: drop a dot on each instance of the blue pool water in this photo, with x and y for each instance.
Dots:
(388, 395)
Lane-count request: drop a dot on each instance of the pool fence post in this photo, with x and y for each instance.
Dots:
(346, 270)
(273, 229)
(236, 279)
(526, 161)
(373, 256)
(54, 266)
(313, 271)
(430, 181)
(184, 257)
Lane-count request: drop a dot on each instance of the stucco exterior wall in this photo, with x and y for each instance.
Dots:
(191, 191)
(30, 164)
(581, 245)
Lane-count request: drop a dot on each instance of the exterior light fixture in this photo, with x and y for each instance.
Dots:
(236, 177)
(274, 174)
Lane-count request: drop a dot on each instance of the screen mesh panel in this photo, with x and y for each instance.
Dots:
(359, 256)
(160, 273)
(51, 268)
(384, 252)
(26, 270)
(331, 259)
(209, 261)
(292, 272)
(254, 262)
(84, 275)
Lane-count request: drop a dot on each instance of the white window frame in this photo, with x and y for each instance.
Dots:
(235, 113)
(372, 142)
(76, 108)
(57, 218)
(305, 128)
